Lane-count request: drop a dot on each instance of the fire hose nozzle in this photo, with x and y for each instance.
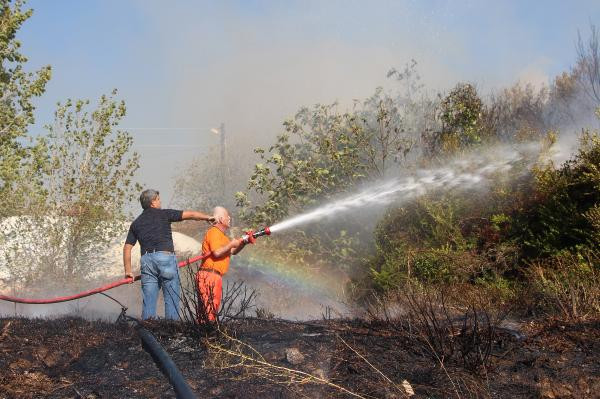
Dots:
(251, 236)
(263, 232)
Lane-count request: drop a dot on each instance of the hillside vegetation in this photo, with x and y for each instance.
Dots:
(527, 237)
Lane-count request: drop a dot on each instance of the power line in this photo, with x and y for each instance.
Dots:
(165, 128)
(171, 145)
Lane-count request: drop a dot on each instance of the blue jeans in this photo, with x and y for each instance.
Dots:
(159, 269)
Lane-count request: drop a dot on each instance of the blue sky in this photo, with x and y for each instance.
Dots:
(251, 64)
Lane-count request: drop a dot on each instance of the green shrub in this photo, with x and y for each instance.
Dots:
(563, 214)
(439, 239)
(504, 290)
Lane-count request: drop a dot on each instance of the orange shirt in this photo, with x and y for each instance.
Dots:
(213, 240)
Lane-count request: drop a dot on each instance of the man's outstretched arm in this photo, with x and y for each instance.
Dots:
(236, 250)
(195, 215)
(232, 247)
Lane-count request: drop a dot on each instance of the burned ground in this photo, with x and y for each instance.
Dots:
(75, 358)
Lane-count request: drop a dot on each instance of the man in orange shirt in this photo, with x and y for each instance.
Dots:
(210, 276)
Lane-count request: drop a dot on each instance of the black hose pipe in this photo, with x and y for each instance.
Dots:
(165, 364)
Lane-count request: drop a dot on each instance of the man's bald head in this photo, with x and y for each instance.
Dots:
(222, 216)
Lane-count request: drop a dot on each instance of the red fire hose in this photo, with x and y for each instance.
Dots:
(248, 237)
(92, 291)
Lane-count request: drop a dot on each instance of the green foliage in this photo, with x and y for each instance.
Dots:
(70, 186)
(323, 154)
(564, 215)
(502, 289)
(499, 220)
(460, 112)
(326, 156)
(90, 166)
(433, 266)
(451, 236)
(486, 239)
(90, 176)
(18, 88)
(426, 222)
(88, 171)
(418, 240)
(541, 229)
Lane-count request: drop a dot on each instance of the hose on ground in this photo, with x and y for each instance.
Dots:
(98, 290)
(165, 364)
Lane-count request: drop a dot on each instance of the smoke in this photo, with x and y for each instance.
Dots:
(251, 65)
(255, 71)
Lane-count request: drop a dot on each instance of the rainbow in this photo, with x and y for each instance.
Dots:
(319, 283)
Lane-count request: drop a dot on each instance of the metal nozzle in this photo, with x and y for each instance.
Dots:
(263, 232)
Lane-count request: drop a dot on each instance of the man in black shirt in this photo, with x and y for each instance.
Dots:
(158, 263)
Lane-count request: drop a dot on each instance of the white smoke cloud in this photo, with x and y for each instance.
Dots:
(535, 74)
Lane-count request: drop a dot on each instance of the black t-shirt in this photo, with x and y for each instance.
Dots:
(153, 230)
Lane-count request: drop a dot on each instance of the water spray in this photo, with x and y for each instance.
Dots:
(468, 172)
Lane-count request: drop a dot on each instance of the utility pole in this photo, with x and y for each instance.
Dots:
(222, 133)
(223, 165)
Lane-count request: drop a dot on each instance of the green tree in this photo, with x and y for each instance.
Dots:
(321, 153)
(89, 178)
(17, 90)
(460, 113)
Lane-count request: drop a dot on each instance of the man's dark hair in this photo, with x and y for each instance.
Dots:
(147, 197)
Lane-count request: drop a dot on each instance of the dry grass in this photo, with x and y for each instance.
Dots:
(568, 285)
